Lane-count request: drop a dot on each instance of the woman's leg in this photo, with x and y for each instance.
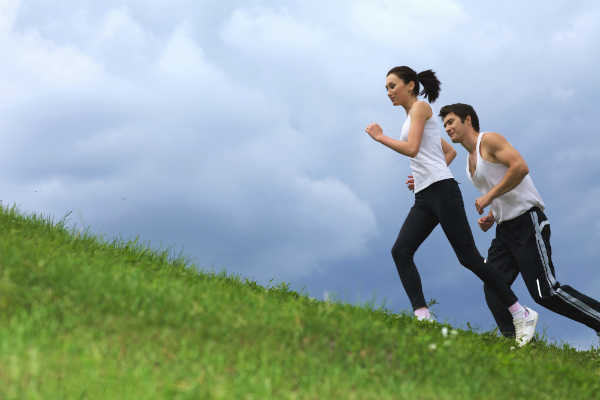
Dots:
(418, 225)
(450, 211)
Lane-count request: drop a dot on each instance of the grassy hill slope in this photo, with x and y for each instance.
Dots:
(81, 318)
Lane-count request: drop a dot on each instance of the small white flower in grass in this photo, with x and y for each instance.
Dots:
(454, 332)
(444, 331)
(512, 348)
(432, 346)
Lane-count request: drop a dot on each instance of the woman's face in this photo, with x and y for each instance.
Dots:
(398, 91)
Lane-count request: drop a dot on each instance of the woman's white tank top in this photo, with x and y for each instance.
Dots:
(511, 204)
(429, 165)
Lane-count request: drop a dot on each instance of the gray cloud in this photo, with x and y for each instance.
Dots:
(235, 132)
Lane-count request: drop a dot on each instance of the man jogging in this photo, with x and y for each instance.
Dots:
(522, 242)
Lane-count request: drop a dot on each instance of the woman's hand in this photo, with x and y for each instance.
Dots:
(375, 131)
(486, 222)
(410, 183)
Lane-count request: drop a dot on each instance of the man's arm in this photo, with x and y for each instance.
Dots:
(495, 148)
(449, 152)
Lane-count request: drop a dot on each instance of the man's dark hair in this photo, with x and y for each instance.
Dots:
(462, 110)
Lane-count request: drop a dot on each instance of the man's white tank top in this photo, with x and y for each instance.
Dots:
(511, 204)
(429, 165)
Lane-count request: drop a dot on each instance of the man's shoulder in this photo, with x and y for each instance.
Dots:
(493, 135)
(493, 140)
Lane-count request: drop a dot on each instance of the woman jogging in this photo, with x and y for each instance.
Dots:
(437, 197)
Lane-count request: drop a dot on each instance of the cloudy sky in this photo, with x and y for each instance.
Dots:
(233, 132)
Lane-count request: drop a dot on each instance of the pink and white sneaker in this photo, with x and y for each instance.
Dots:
(525, 326)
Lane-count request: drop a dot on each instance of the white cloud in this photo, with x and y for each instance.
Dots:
(122, 43)
(270, 31)
(408, 23)
(119, 26)
(8, 11)
(182, 59)
(49, 65)
(324, 222)
(579, 31)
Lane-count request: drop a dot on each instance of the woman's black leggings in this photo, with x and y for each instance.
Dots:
(442, 203)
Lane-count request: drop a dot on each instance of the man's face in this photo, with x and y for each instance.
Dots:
(454, 127)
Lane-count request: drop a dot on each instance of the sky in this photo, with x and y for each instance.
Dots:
(232, 133)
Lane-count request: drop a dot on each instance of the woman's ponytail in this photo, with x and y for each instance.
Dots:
(431, 85)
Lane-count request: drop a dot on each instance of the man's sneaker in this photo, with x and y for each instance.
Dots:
(525, 327)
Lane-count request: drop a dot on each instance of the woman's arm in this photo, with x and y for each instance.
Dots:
(449, 152)
(419, 114)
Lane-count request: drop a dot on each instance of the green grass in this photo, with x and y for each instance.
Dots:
(83, 318)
